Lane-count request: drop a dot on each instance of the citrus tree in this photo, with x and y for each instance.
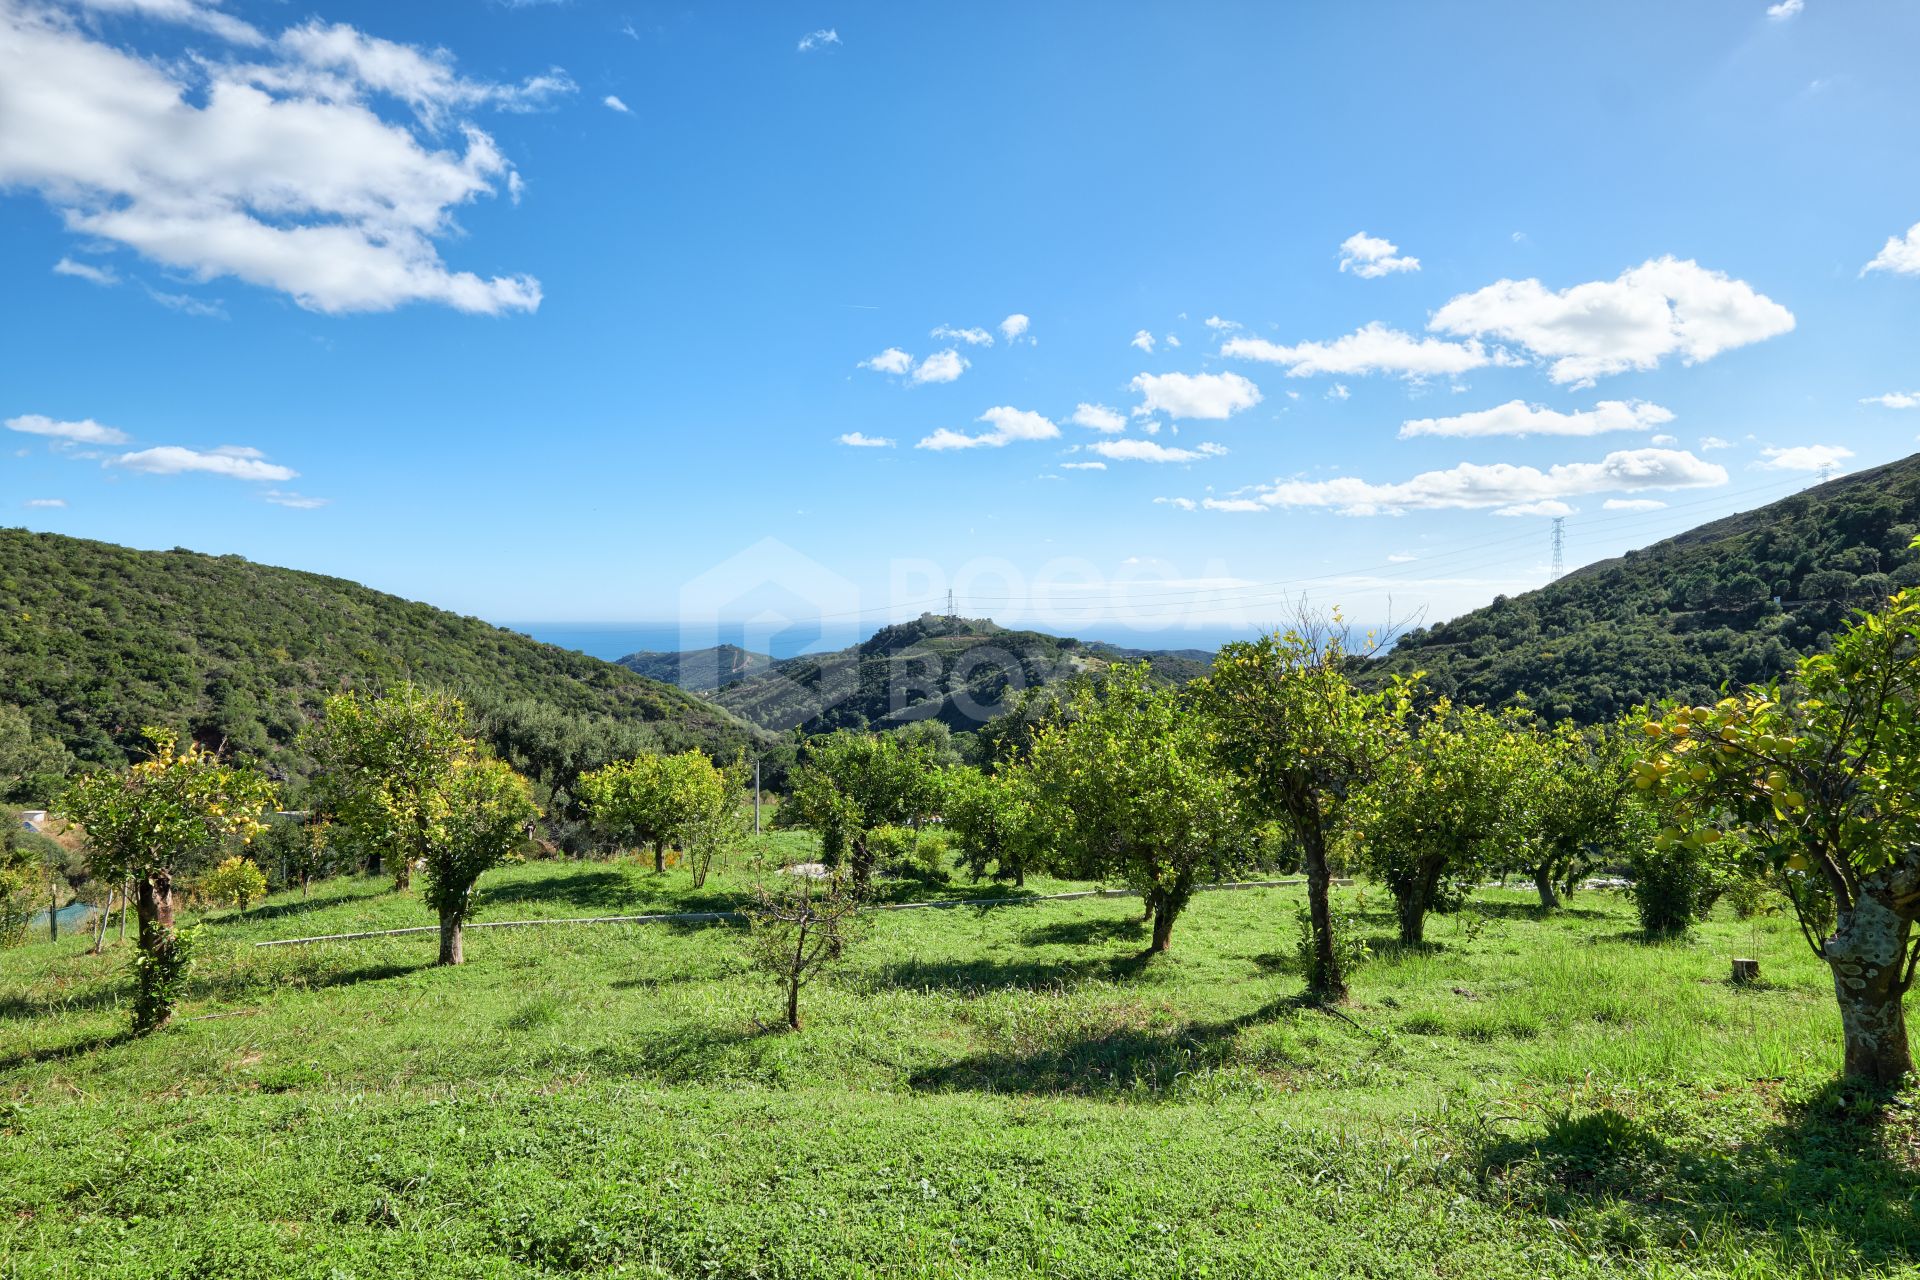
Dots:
(1439, 812)
(381, 764)
(992, 818)
(656, 800)
(1578, 801)
(1294, 727)
(141, 824)
(850, 784)
(236, 882)
(1819, 779)
(1125, 784)
(481, 813)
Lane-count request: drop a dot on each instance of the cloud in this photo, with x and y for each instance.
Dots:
(279, 172)
(1097, 417)
(1338, 391)
(47, 504)
(1806, 457)
(187, 304)
(1895, 400)
(187, 13)
(1662, 307)
(1370, 257)
(297, 501)
(859, 440)
(1401, 557)
(1172, 340)
(1518, 418)
(234, 462)
(1218, 325)
(941, 366)
(972, 337)
(1785, 9)
(106, 276)
(1008, 426)
(1545, 507)
(86, 431)
(1143, 340)
(1015, 327)
(1083, 466)
(1373, 348)
(818, 39)
(1709, 443)
(1148, 451)
(1633, 504)
(1664, 439)
(1195, 395)
(892, 360)
(613, 103)
(1184, 504)
(1231, 504)
(1900, 255)
(1471, 485)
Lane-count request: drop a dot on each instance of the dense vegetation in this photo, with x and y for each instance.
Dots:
(698, 670)
(961, 671)
(1737, 600)
(99, 641)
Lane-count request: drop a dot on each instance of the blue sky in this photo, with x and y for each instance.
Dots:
(535, 355)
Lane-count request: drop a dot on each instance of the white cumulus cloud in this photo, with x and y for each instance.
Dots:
(1195, 395)
(1083, 466)
(941, 366)
(1900, 255)
(1143, 340)
(280, 172)
(1806, 457)
(1184, 504)
(1007, 425)
(818, 39)
(1149, 451)
(106, 276)
(1371, 257)
(892, 360)
(613, 103)
(1015, 328)
(859, 440)
(1785, 9)
(236, 462)
(974, 337)
(85, 431)
(1518, 418)
(1633, 504)
(1473, 485)
(1097, 417)
(1662, 307)
(1544, 507)
(1373, 348)
(1895, 400)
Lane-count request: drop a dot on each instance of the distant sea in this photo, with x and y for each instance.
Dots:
(611, 640)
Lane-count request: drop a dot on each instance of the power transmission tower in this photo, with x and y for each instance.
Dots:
(1559, 546)
(951, 613)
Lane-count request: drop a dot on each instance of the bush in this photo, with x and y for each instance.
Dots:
(907, 854)
(237, 882)
(1673, 887)
(1748, 896)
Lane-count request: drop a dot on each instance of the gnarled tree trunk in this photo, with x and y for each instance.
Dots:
(1543, 881)
(1326, 982)
(1414, 898)
(1868, 955)
(153, 1001)
(451, 949)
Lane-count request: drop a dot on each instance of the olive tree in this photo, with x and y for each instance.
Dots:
(141, 824)
(1437, 813)
(1126, 784)
(1303, 737)
(381, 764)
(1818, 778)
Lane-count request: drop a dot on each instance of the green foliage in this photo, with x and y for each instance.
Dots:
(848, 784)
(97, 640)
(1304, 738)
(1127, 786)
(480, 816)
(1578, 804)
(160, 975)
(1440, 811)
(19, 881)
(1685, 617)
(236, 882)
(992, 819)
(31, 765)
(800, 927)
(1350, 946)
(1674, 885)
(654, 801)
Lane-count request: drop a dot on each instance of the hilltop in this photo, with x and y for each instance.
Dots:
(1737, 600)
(958, 670)
(98, 640)
(698, 670)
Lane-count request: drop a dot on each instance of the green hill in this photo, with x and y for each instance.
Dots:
(698, 670)
(97, 641)
(957, 670)
(1735, 600)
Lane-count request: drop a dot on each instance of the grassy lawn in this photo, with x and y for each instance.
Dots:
(979, 1092)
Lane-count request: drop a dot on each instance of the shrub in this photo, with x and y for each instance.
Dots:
(237, 882)
(1350, 950)
(1673, 887)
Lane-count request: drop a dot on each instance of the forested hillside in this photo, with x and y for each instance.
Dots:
(958, 670)
(698, 670)
(98, 640)
(1738, 599)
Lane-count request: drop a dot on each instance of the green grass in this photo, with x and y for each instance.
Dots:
(980, 1092)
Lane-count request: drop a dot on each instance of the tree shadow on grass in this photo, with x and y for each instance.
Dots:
(983, 977)
(1844, 1164)
(1080, 933)
(300, 907)
(1125, 1058)
(97, 995)
(1531, 911)
(64, 1052)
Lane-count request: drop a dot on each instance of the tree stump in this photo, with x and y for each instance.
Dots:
(1746, 970)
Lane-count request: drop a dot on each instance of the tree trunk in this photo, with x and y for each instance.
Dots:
(793, 1003)
(450, 937)
(1417, 899)
(153, 1003)
(1326, 982)
(53, 908)
(100, 933)
(862, 866)
(1162, 931)
(1543, 881)
(1868, 953)
(306, 884)
(660, 856)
